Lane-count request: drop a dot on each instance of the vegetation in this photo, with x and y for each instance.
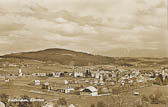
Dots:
(155, 98)
(140, 103)
(4, 98)
(92, 105)
(101, 104)
(61, 102)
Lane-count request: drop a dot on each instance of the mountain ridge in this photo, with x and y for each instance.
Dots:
(76, 58)
(62, 56)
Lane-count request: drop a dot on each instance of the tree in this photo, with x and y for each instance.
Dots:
(4, 98)
(117, 76)
(140, 103)
(101, 104)
(158, 80)
(92, 105)
(26, 103)
(61, 102)
(155, 97)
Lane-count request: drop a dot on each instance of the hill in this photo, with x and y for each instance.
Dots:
(63, 56)
(69, 57)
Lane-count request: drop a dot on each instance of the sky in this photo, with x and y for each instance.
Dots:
(116, 28)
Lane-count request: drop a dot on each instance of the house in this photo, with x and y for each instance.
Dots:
(97, 75)
(34, 74)
(48, 104)
(2, 104)
(69, 89)
(39, 74)
(60, 90)
(65, 82)
(36, 82)
(50, 88)
(12, 65)
(136, 93)
(71, 105)
(20, 72)
(92, 75)
(78, 74)
(89, 91)
(45, 85)
(96, 82)
(6, 80)
(58, 74)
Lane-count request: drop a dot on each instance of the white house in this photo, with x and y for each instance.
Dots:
(78, 74)
(71, 105)
(69, 89)
(89, 91)
(97, 75)
(65, 82)
(48, 104)
(2, 104)
(20, 72)
(36, 82)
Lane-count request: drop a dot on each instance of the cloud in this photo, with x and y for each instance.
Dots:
(61, 20)
(107, 26)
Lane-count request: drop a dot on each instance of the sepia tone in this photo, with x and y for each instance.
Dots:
(83, 53)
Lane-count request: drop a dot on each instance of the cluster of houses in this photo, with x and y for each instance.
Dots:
(97, 78)
(101, 78)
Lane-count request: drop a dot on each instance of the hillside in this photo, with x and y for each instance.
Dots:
(63, 56)
(69, 57)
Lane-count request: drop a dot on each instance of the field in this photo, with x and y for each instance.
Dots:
(19, 86)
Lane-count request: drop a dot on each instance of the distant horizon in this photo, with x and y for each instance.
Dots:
(81, 52)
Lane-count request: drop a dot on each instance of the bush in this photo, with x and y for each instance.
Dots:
(4, 98)
(92, 105)
(101, 104)
(155, 97)
(61, 102)
(145, 98)
(140, 104)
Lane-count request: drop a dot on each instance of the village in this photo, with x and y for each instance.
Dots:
(72, 83)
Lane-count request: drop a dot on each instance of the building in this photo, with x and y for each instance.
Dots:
(97, 75)
(45, 85)
(65, 82)
(36, 82)
(48, 104)
(20, 72)
(2, 104)
(69, 89)
(78, 74)
(89, 91)
(71, 105)
(58, 74)
(39, 74)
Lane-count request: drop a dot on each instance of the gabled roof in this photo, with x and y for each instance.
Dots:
(91, 88)
(2, 104)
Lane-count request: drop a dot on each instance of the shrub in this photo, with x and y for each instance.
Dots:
(140, 104)
(145, 98)
(155, 97)
(4, 98)
(92, 105)
(101, 104)
(62, 102)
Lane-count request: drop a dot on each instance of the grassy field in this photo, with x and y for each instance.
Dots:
(19, 87)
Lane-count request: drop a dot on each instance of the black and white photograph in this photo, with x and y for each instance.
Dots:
(83, 53)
